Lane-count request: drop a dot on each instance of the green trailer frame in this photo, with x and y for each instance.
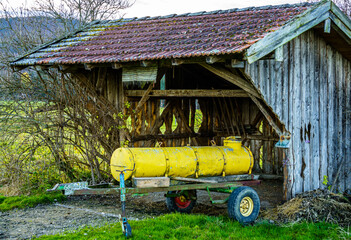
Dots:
(181, 195)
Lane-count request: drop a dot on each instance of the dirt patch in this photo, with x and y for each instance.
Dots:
(77, 212)
(314, 206)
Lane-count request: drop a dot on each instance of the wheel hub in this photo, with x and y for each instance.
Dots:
(182, 201)
(246, 206)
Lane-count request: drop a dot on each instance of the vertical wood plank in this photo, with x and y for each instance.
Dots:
(285, 86)
(330, 112)
(306, 91)
(323, 113)
(315, 98)
(268, 80)
(348, 125)
(309, 68)
(302, 89)
(315, 109)
(260, 76)
(339, 121)
(296, 92)
(278, 80)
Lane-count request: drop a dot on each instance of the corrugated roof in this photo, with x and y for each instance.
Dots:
(173, 36)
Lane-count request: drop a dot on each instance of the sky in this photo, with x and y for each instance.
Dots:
(143, 8)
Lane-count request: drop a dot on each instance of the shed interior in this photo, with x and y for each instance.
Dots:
(187, 104)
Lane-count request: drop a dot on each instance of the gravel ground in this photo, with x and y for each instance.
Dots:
(77, 212)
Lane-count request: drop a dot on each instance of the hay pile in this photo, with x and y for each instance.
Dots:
(314, 206)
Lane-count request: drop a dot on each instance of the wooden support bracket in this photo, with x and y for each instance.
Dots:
(42, 67)
(147, 63)
(279, 54)
(327, 25)
(67, 68)
(88, 66)
(116, 66)
(187, 128)
(212, 59)
(235, 63)
(232, 78)
(267, 115)
(146, 95)
(189, 93)
(144, 98)
(177, 62)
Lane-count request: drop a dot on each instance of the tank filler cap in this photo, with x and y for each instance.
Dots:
(231, 141)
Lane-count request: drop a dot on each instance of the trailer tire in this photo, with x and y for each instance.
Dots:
(182, 203)
(244, 205)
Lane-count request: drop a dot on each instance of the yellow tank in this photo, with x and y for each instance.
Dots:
(230, 159)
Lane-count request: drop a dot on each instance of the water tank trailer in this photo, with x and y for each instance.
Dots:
(189, 161)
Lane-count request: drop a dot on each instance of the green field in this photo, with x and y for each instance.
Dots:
(178, 226)
(9, 203)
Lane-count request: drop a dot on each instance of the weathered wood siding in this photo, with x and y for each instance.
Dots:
(310, 92)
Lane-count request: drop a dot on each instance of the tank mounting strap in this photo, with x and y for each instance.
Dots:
(224, 163)
(197, 163)
(167, 162)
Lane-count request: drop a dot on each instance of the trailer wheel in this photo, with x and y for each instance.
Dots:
(244, 205)
(183, 203)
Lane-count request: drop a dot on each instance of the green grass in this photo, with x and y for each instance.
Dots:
(177, 226)
(9, 203)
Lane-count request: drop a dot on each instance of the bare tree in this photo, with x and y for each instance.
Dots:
(344, 5)
(47, 112)
(75, 13)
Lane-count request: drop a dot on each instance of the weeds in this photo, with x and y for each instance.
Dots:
(9, 203)
(178, 226)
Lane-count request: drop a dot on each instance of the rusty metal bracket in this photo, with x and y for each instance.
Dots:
(284, 142)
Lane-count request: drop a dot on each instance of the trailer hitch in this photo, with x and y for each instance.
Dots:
(126, 228)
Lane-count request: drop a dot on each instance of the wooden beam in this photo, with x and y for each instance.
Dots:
(147, 63)
(262, 138)
(160, 119)
(163, 136)
(342, 29)
(213, 59)
(177, 62)
(267, 115)
(232, 78)
(302, 23)
(193, 135)
(279, 54)
(146, 182)
(68, 68)
(340, 15)
(146, 94)
(270, 177)
(188, 93)
(88, 66)
(235, 63)
(144, 98)
(117, 66)
(231, 178)
(327, 25)
(257, 119)
(186, 126)
(198, 180)
(147, 137)
(42, 67)
(18, 68)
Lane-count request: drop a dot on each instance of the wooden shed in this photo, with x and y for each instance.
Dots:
(266, 74)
